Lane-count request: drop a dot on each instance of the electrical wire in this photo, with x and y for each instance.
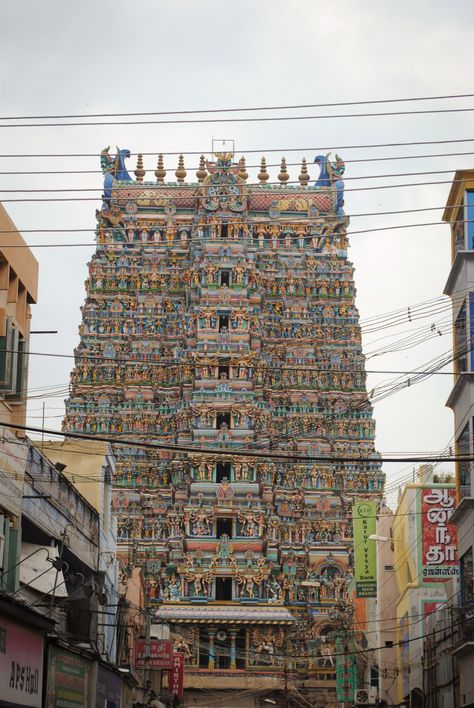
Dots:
(324, 148)
(252, 119)
(245, 109)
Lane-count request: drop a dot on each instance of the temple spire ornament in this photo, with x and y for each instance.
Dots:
(160, 172)
(243, 174)
(180, 172)
(283, 176)
(201, 173)
(140, 172)
(304, 176)
(263, 174)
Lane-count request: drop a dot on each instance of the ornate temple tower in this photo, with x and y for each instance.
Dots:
(220, 332)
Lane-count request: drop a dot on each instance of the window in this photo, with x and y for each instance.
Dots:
(469, 216)
(467, 580)
(222, 470)
(388, 567)
(222, 418)
(389, 643)
(464, 467)
(225, 277)
(223, 526)
(224, 230)
(223, 372)
(223, 323)
(224, 589)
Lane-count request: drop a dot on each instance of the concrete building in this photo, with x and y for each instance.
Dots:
(459, 213)
(18, 291)
(382, 629)
(424, 563)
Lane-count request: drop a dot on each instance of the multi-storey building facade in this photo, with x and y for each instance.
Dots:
(459, 213)
(220, 334)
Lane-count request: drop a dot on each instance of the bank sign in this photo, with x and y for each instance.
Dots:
(21, 664)
(439, 557)
(365, 524)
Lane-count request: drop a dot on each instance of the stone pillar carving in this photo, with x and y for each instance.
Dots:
(233, 649)
(211, 649)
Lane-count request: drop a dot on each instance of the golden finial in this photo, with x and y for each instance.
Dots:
(243, 174)
(303, 176)
(283, 176)
(263, 174)
(140, 172)
(180, 172)
(201, 174)
(160, 172)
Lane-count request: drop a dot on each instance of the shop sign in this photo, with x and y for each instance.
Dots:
(161, 654)
(177, 676)
(109, 686)
(439, 558)
(346, 675)
(21, 664)
(68, 680)
(365, 524)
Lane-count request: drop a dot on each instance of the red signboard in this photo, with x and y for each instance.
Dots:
(439, 556)
(161, 654)
(176, 676)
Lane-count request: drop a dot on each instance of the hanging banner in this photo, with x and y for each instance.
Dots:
(365, 560)
(177, 676)
(68, 680)
(346, 674)
(439, 558)
(161, 654)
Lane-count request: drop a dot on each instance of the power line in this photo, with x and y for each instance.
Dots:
(282, 191)
(256, 166)
(252, 119)
(241, 110)
(323, 148)
(144, 185)
(237, 452)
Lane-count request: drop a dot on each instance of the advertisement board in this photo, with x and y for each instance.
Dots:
(365, 524)
(68, 680)
(346, 674)
(177, 676)
(21, 664)
(161, 654)
(439, 558)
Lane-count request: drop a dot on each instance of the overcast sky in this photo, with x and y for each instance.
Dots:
(155, 55)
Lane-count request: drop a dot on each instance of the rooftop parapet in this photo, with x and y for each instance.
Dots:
(223, 186)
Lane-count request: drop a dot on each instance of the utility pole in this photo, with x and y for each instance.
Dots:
(146, 671)
(285, 668)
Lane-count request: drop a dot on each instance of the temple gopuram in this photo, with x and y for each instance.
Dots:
(220, 333)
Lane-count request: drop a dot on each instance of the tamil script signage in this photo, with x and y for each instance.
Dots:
(21, 664)
(161, 654)
(346, 674)
(68, 680)
(365, 524)
(439, 558)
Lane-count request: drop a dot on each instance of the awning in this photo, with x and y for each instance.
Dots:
(38, 572)
(222, 613)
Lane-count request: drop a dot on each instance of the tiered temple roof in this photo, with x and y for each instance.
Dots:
(220, 319)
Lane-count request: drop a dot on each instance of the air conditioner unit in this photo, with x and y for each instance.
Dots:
(362, 697)
(366, 696)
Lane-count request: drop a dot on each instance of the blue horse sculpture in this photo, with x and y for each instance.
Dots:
(331, 175)
(114, 170)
